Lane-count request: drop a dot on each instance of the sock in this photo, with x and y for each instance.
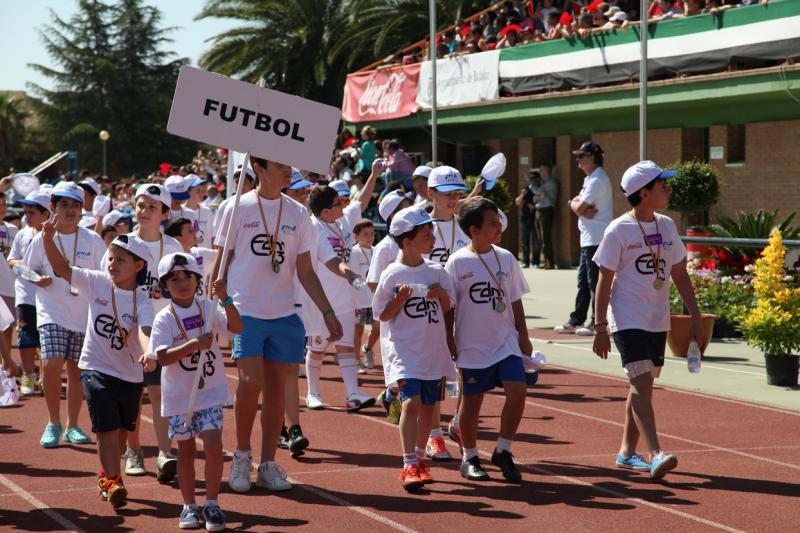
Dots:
(436, 433)
(390, 395)
(241, 454)
(313, 371)
(409, 459)
(349, 369)
(455, 419)
(469, 453)
(420, 453)
(210, 503)
(503, 445)
(189, 505)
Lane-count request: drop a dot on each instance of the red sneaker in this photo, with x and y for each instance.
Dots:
(115, 490)
(410, 478)
(425, 473)
(435, 449)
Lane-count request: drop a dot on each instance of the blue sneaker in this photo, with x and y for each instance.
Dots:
(661, 464)
(190, 518)
(214, 518)
(75, 435)
(634, 462)
(50, 435)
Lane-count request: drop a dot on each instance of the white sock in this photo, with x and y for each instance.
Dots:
(503, 445)
(420, 453)
(409, 459)
(436, 433)
(349, 369)
(242, 454)
(313, 371)
(469, 453)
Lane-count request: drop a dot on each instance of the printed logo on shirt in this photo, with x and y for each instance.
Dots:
(192, 322)
(106, 327)
(460, 243)
(440, 254)
(482, 292)
(417, 307)
(100, 301)
(288, 227)
(153, 289)
(84, 254)
(261, 244)
(342, 251)
(645, 265)
(189, 364)
(635, 246)
(251, 225)
(466, 276)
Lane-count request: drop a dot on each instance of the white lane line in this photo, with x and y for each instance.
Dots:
(28, 497)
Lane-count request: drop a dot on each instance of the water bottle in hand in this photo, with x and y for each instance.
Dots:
(26, 273)
(693, 357)
(359, 284)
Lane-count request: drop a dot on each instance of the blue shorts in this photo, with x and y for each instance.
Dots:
(280, 340)
(58, 342)
(27, 333)
(480, 380)
(430, 391)
(206, 419)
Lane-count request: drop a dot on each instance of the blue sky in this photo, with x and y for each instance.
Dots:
(22, 44)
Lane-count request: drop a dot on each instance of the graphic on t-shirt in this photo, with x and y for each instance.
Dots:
(153, 288)
(645, 265)
(262, 245)
(341, 249)
(417, 307)
(106, 327)
(208, 366)
(482, 292)
(440, 255)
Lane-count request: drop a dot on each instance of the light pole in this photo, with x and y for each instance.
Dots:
(104, 136)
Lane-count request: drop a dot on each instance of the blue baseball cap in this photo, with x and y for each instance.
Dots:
(193, 180)
(341, 188)
(68, 189)
(298, 182)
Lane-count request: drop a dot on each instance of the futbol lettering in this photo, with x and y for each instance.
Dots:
(261, 122)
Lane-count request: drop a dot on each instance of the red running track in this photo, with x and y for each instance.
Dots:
(738, 471)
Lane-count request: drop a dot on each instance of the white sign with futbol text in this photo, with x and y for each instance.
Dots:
(234, 114)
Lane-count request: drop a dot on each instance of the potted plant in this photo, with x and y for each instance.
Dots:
(773, 322)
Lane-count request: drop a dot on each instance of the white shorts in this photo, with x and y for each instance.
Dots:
(347, 318)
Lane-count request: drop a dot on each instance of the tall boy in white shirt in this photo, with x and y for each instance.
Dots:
(640, 251)
(490, 334)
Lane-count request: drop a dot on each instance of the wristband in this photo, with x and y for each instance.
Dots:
(328, 311)
(226, 302)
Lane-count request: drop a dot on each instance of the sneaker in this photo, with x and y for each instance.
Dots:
(134, 463)
(425, 472)
(410, 478)
(50, 435)
(585, 331)
(296, 441)
(392, 413)
(314, 402)
(27, 384)
(661, 464)
(634, 462)
(283, 440)
(101, 484)
(117, 493)
(75, 435)
(190, 518)
(214, 517)
(358, 401)
(272, 477)
(241, 467)
(369, 357)
(436, 450)
(471, 469)
(566, 328)
(505, 462)
(361, 368)
(453, 432)
(166, 467)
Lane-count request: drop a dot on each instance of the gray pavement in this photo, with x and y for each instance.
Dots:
(730, 369)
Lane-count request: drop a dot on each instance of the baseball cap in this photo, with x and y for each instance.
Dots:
(68, 189)
(446, 179)
(178, 187)
(40, 198)
(193, 180)
(101, 205)
(340, 187)
(112, 217)
(178, 261)
(90, 183)
(589, 147)
(154, 191)
(409, 218)
(133, 245)
(641, 174)
(422, 171)
(390, 202)
(298, 182)
(611, 11)
(619, 16)
(250, 172)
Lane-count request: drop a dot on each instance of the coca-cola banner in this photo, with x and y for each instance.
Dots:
(381, 95)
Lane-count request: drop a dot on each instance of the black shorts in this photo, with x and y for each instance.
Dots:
(154, 377)
(27, 332)
(113, 403)
(640, 345)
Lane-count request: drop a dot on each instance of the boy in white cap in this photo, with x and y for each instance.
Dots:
(90, 189)
(299, 188)
(178, 188)
(62, 312)
(202, 217)
(639, 253)
(184, 336)
(411, 301)
(419, 183)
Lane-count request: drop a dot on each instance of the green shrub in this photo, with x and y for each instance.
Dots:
(694, 189)
(500, 193)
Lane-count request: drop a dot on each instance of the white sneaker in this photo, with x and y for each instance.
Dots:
(134, 462)
(369, 357)
(361, 368)
(359, 400)
(27, 384)
(272, 477)
(242, 465)
(314, 401)
(566, 328)
(583, 331)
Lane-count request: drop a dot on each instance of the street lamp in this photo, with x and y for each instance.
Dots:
(104, 136)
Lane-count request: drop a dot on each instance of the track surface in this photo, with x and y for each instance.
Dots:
(738, 470)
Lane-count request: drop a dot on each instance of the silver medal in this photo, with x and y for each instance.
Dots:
(499, 306)
(276, 267)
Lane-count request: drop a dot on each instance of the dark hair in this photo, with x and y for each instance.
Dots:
(322, 197)
(470, 212)
(87, 189)
(106, 230)
(141, 274)
(13, 216)
(260, 161)
(361, 224)
(599, 159)
(407, 235)
(179, 261)
(39, 208)
(635, 199)
(152, 189)
(174, 227)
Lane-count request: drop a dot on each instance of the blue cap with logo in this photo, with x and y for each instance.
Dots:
(298, 182)
(68, 189)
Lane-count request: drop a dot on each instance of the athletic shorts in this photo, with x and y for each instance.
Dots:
(641, 351)
(153, 378)
(203, 420)
(280, 340)
(429, 390)
(27, 334)
(364, 316)
(347, 319)
(60, 342)
(480, 380)
(113, 403)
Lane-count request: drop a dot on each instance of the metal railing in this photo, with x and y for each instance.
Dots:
(730, 241)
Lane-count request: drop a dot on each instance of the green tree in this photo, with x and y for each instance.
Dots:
(12, 131)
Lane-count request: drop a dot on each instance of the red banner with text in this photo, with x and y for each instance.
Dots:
(381, 94)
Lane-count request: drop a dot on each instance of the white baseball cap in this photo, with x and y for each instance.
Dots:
(178, 187)
(409, 218)
(390, 202)
(92, 184)
(193, 180)
(641, 174)
(112, 217)
(423, 171)
(298, 182)
(250, 172)
(40, 198)
(178, 261)
(132, 244)
(68, 189)
(619, 16)
(446, 179)
(156, 192)
(340, 187)
(101, 205)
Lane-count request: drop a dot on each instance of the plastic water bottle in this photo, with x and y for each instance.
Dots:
(418, 290)
(693, 358)
(359, 284)
(26, 273)
(452, 389)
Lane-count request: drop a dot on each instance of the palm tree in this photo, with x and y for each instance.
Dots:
(12, 129)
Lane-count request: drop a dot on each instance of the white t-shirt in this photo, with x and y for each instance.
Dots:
(256, 289)
(177, 379)
(205, 259)
(104, 349)
(7, 233)
(635, 303)
(223, 206)
(449, 239)
(383, 255)
(307, 310)
(415, 340)
(483, 336)
(339, 237)
(359, 263)
(597, 192)
(203, 223)
(88, 220)
(54, 303)
(24, 291)
(182, 212)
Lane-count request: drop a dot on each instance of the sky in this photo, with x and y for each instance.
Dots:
(20, 42)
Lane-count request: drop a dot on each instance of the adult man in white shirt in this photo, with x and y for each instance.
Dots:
(595, 208)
